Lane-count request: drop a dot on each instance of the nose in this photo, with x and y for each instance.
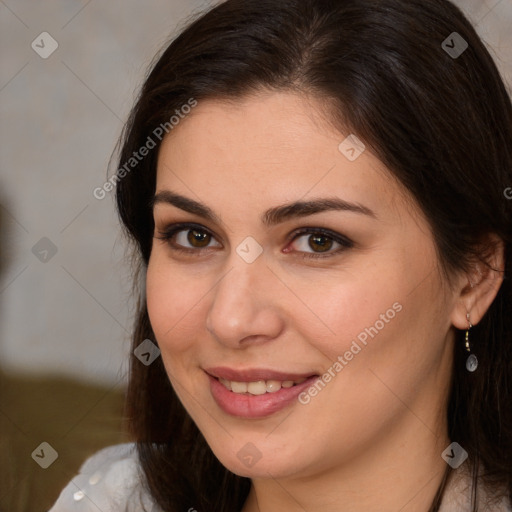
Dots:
(245, 308)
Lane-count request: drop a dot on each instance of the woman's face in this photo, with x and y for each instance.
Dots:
(355, 305)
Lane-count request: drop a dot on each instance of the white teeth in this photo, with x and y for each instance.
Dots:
(273, 386)
(259, 387)
(239, 387)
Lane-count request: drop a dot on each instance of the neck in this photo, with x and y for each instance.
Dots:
(402, 471)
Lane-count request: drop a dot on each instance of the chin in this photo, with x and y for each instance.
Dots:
(259, 458)
(260, 470)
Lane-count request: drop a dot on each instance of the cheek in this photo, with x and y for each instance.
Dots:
(390, 346)
(378, 317)
(173, 302)
(350, 305)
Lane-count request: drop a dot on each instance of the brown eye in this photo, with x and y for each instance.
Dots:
(320, 243)
(312, 242)
(194, 239)
(187, 238)
(198, 238)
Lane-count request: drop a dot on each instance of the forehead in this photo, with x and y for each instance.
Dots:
(276, 146)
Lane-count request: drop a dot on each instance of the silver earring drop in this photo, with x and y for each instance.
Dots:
(471, 361)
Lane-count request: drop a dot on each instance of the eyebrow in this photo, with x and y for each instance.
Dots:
(270, 217)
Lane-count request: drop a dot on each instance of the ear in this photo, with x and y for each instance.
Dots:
(478, 287)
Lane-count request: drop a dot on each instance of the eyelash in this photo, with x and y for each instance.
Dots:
(173, 229)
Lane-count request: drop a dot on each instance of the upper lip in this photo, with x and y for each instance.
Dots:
(254, 374)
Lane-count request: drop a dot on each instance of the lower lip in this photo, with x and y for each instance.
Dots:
(256, 406)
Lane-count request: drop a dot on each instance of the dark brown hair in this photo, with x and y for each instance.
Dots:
(443, 127)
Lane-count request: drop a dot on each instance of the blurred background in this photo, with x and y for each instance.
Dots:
(69, 73)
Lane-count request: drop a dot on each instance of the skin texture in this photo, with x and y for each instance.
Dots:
(372, 438)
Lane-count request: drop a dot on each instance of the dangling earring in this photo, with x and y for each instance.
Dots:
(471, 361)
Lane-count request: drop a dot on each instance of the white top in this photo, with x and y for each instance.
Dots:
(111, 481)
(108, 481)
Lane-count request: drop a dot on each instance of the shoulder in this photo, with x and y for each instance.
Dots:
(110, 481)
(459, 490)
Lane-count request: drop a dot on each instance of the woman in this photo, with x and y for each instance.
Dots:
(317, 194)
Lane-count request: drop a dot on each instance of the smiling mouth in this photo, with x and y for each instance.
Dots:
(257, 392)
(257, 381)
(259, 387)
